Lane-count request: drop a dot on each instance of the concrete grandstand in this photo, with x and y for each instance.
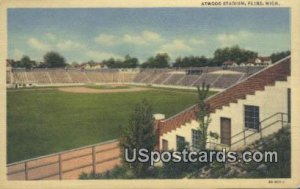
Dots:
(218, 77)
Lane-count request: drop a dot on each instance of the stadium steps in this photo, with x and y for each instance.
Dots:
(256, 82)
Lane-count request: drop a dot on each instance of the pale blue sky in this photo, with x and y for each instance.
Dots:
(96, 34)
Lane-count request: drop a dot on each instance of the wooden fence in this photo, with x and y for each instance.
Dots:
(96, 158)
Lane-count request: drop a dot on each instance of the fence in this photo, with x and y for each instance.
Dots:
(267, 127)
(69, 164)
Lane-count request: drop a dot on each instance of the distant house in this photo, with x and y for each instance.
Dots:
(92, 66)
(230, 64)
(260, 61)
(243, 64)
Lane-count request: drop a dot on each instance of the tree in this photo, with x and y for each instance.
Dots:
(24, 62)
(54, 60)
(91, 62)
(110, 63)
(130, 62)
(234, 53)
(139, 134)
(161, 60)
(203, 114)
(191, 61)
(279, 55)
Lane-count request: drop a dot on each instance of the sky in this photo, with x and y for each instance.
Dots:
(101, 33)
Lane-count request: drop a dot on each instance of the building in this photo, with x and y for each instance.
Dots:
(260, 61)
(241, 114)
(243, 64)
(230, 64)
(92, 66)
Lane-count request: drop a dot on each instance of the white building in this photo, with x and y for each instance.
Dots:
(260, 61)
(241, 114)
(93, 66)
(230, 64)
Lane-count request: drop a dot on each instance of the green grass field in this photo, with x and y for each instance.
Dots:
(44, 121)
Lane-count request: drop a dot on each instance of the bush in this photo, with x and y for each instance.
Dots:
(118, 172)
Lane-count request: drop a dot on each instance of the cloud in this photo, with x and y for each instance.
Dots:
(143, 38)
(196, 41)
(135, 40)
(264, 43)
(101, 55)
(106, 39)
(176, 47)
(17, 54)
(37, 44)
(151, 36)
(233, 39)
(51, 36)
(69, 45)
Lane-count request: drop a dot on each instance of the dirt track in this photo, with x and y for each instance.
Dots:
(99, 91)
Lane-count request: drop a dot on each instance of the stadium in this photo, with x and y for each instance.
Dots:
(75, 78)
(75, 116)
(217, 77)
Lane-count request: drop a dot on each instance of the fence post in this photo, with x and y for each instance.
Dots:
(60, 166)
(260, 130)
(244, 137)
(94, 159)
(26, 170)
(282, 120)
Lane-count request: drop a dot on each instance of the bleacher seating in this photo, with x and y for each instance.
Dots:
(30, 77)
(189, 80)
(78, 76)
(128, 77)
(41, 76)
(174, 79)
(143, 75)
(8, 77)
(215, 76)
(208, 78)
(20, 76)
(59, 76)
(226, 80)
(161, 77)
(94, 76)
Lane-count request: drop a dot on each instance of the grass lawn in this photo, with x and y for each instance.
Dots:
(44, 121)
